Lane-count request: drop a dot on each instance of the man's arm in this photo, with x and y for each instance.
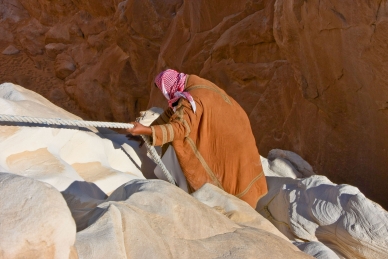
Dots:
(181, 123)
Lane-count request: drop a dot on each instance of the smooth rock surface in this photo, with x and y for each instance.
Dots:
(35, 221)
(235, 209)
(175, 225)
(317, 250)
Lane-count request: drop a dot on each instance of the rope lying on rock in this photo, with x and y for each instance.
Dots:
(97, 124)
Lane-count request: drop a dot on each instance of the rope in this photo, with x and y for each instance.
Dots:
(98, 124)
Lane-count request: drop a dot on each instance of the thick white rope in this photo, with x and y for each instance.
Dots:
(98, 124)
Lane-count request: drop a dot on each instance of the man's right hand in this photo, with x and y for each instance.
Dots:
(139, 129)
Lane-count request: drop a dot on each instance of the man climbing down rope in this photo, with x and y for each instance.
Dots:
(211, 135)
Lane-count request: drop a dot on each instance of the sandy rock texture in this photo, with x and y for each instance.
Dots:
(140, 219)
(327, 217)
(35, 220)
(176, 225)
(310, 75)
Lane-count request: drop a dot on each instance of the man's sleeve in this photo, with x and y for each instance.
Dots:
(181, 123)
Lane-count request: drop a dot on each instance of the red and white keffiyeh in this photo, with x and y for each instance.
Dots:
(172, 85)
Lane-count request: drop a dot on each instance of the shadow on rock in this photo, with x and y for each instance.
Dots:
(83, 199)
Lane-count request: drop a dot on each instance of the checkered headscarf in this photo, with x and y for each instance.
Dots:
(172, 85)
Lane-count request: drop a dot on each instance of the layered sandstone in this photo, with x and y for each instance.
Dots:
(321, 217)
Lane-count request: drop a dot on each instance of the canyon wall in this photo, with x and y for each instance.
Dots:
(311, 75)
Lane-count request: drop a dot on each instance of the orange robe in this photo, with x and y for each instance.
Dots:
(215, 144)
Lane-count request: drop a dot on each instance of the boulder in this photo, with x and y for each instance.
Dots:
(10, 50)
(12, 12)
(35, 220)
(31, 35)
(60, 155)
(58, 34)
(281, 161)
(317, 250)
(64, 66)
(172, 224)
(235, 209)
(315, 209)
(53, 49)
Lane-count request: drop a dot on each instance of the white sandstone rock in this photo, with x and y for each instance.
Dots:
(315, 209)
(60, 155)
(317, 249)
(139, 154)
(154, 219)
(16, 100)
(235, 209)
(35, 221)
(286, 164)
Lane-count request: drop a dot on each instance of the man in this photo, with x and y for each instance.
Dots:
(211, 135)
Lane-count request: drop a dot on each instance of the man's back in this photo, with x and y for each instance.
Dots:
(225, 141)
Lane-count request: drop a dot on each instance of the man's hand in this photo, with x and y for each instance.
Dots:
(139, 129)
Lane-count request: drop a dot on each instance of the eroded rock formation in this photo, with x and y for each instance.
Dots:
(311, 75)
(324, 215)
